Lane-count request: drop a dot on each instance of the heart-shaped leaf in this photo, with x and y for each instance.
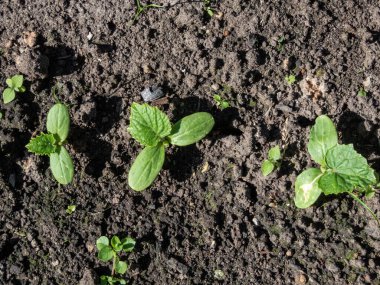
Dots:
(307, 189)
(102, 242)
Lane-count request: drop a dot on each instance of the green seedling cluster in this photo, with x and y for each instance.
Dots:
(208, 8)
(71, 209)
(52, 144)
(142, 8)
(290, 79)
(273, 162)
(111, 251)
(220, 102)
(15, 85)
(152, 129)
(342, 169)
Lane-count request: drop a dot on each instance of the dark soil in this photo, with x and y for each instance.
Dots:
(194, 219)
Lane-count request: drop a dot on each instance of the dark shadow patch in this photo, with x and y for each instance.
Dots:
(108, 110)
(62, 60)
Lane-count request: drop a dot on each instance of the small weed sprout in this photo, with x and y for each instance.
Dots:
(52, 143)
(290, 79)
(152, 129)
(207, 7)
(281, 43)
(71, 209)
(15, 85)
(111, 251)
(342, 169)
(142, 8)
(362, 92)
(273, 162)
(220, 102)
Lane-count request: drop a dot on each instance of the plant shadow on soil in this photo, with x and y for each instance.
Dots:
(86, 140)
(181, 161)
(62, 60)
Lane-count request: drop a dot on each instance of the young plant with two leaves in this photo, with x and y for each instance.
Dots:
(15, 85)
(52, 144)
(342, 169)
(152, 128)
(111, 251)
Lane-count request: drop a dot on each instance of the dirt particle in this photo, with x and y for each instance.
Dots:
(30, 38)
(300, 279)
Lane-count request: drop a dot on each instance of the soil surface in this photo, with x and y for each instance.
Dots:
(210, 217)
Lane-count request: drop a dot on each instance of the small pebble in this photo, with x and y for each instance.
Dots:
(152, 93)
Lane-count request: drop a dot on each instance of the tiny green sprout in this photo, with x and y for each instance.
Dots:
(15, 85)
(342, 169)
(281, 43)
(290, 79)
(273, 162)
(220, 102)
(152, 129)
(71, 209)
(142, 8)
(108, 250)
(52, 144)
(207, 7)
(362, 92)
(1, 115)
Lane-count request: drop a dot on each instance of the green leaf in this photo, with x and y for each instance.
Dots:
(58, 121)
(106, 253)
(8, 95)
(9, 83)
(347, 171)
(102, 242)
(62, 166)
(148, 125)
(307, 189)
(146, 167)
(121, 267)
(267, 167)
(71, 209)
(323, 136)
(43, 144)
(17, 81)
(103, 280)
(21, 89)
(116, 244)
(274, 153)
(128, 244)
(191, 129)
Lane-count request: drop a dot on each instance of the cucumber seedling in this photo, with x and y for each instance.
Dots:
(112, 250)
(273, 162)
(15, 85)
(52, 144)
(342, 169)
(152, 128)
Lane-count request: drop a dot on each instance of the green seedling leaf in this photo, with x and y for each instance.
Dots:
(102, 242)
(128, 244)
(62, 166)
(290, 79)
(148, 125)
(267, 167)
(274, 153)
(121, 267)
(1, 115)
(146, 167)
(349, 170)
(116, 243)
(106, 253)
(58, 121)
(10, 83)
(191, 129)
(21, 89)
(9, 95)
(17, 81)
(307, 189)
(323, 136)
(362, 92)
(43, 144)
(71, 209)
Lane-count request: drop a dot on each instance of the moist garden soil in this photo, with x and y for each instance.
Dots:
(210, 217)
